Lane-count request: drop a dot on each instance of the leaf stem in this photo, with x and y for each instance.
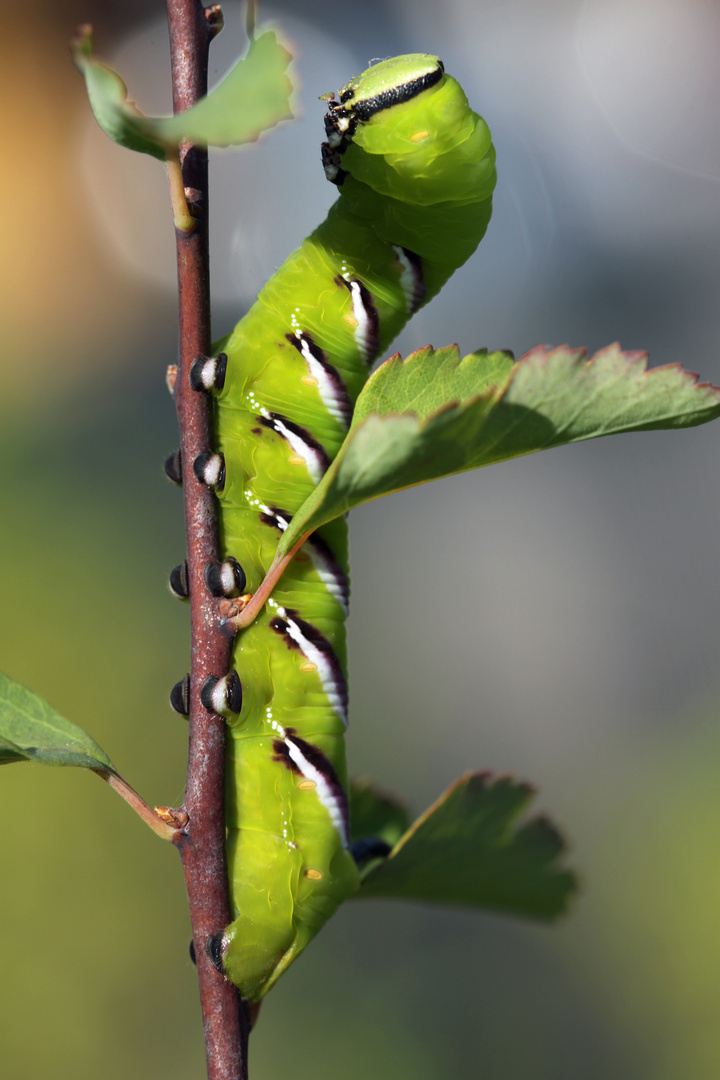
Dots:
(202, 842)
(159, 824)
(182, 218)
(254, 605)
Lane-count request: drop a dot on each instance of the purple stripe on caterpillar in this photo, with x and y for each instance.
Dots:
(315, 766)
(411, 278)
(326, 566)
(365, 315)
(316, 648)
(307, 449)
(331, 387)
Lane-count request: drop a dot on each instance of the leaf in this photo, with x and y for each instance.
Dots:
(375, 814)
(433, 415)
(31, 730)
(253, 97)
(107, 93)
(430, 379)
(469, 848)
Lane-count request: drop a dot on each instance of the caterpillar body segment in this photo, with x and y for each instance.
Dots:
(415, 170)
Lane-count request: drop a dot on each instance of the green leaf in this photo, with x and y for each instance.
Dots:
(433, 415)
(115, 113)
(31, 730)
(431, 379)
(471, 848)
(253, 97)
(375, 814)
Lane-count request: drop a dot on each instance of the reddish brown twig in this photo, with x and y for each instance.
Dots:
(202, 842)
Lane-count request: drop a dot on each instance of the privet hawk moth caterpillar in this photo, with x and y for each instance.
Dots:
(415, 169)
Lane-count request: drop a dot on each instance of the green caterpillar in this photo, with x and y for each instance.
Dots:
(416, 169)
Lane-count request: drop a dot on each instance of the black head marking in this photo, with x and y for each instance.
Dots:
(180, 696)
(331, 164)
(363, 110)
(179, 584)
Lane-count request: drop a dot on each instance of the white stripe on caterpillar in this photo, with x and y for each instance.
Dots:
(331, 388)
(411, 279)
(314, 457)
(329, 789)
(365, 318)
(320, 653)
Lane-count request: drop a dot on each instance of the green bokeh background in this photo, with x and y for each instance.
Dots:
(96, 979)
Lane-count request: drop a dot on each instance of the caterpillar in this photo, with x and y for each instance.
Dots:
(415, 169)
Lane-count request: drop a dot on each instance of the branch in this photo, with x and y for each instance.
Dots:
(202, 842)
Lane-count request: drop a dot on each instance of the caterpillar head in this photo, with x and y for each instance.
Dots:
(383, 86)
(404, 129)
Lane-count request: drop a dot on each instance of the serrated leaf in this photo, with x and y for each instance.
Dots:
(430, 379)
(373, 813)
(433, 415)
(472, 848)
(32, 730)
(253, 97)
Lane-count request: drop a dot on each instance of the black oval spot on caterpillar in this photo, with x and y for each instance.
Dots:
(173, 467)
(209, 469)
(226, 578)
(208, 373)
(372, 847)
(222, 695)
(192, 952)
(179, 584)
(214, 949)
(180, 696)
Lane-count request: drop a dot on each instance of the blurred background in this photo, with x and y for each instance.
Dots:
(555, 617)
